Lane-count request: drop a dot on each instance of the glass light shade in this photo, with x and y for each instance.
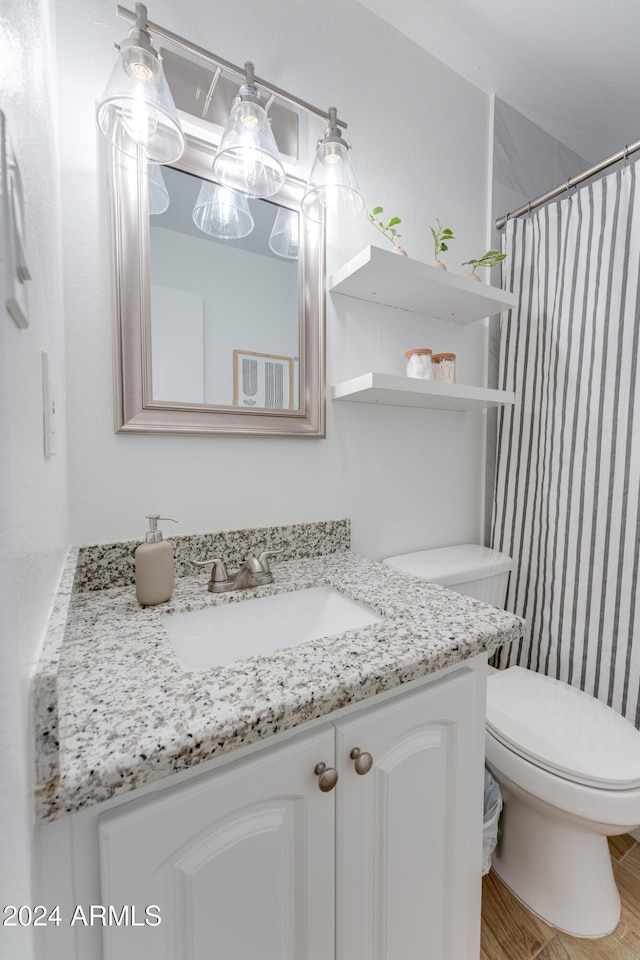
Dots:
(333, 193)
(222, 213)
(137, 112)
(247, 158)
(283, 239)
(158, 193)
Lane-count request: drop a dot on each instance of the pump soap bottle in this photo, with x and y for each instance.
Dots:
(154, 565)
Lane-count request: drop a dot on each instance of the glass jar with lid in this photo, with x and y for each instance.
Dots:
(444, 367)
(419, 363)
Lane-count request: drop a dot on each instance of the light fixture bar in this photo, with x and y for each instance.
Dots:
(193, 48)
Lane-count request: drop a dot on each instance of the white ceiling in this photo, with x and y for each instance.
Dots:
(571, 66)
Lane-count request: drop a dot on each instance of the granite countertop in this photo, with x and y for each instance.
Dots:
(115, 711)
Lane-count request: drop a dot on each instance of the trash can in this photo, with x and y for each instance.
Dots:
(492, 808)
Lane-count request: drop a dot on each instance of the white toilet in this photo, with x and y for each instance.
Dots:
(568, 768)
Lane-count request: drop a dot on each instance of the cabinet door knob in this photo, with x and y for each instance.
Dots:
(363, 761)
(327, 776)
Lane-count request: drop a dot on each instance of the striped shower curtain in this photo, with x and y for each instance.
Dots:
(567, 493)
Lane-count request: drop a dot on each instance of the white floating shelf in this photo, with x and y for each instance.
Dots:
(381, 276)
(387, 388)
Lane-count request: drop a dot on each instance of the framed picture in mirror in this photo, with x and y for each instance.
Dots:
(262, 380)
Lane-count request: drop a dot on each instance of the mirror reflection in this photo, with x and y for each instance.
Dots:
(224, 299)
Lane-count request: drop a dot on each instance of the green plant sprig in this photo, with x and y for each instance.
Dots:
(488, 259)
(441, 236)
(387, 230)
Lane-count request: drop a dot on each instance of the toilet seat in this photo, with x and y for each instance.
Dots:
(562, 729)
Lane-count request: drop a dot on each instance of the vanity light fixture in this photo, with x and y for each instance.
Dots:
(283, 239)
(137, 112)
(158, 193)
(333, 193)
(222, 213)
(247, 158)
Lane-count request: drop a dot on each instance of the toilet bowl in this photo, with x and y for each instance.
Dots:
(568, 767)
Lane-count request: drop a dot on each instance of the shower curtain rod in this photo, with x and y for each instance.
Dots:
(571, 182)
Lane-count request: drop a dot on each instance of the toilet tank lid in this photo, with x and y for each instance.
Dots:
(450, 565)
(562, 729)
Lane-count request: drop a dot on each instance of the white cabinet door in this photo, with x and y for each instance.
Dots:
(410, 830)
(241, 862)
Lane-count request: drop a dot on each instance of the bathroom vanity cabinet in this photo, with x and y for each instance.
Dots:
(253, 859)
(198, 793)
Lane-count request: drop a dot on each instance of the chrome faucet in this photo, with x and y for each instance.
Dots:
(254, 572)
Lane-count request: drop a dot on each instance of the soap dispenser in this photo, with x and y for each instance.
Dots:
(154, 565)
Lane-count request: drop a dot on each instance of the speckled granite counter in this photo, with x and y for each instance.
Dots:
(114, 710)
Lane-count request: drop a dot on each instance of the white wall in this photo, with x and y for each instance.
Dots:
(407, 478)
(33, 491)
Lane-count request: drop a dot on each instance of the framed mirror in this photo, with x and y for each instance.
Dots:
(214, 336)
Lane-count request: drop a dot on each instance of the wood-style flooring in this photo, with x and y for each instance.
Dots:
(511, 932)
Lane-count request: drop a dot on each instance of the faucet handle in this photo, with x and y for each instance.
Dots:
(263, 559)
(254, 565)
(219, 572)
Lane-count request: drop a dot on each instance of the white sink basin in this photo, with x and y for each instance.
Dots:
(218, 635)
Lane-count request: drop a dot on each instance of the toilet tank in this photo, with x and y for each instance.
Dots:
(467, 568)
